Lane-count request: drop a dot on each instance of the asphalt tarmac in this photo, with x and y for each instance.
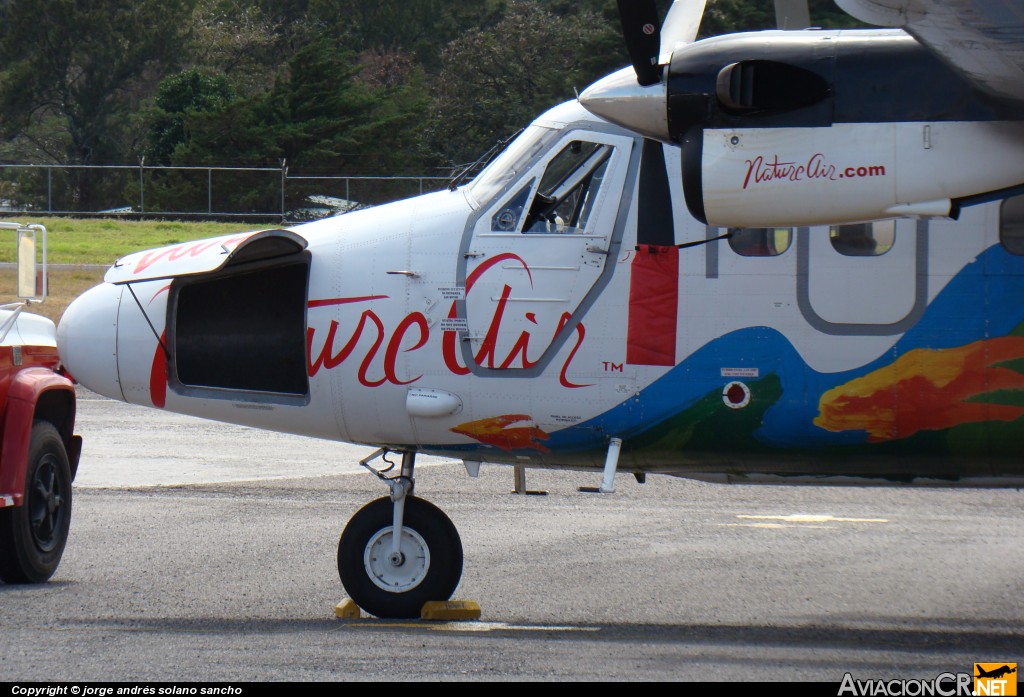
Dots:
(203, 552)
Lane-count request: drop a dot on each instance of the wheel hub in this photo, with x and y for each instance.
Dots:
(46, 506)
(397, 573)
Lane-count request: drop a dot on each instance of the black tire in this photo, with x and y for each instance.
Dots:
(33, 535)
(416, 581)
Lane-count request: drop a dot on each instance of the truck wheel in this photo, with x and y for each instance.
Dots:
(33, 535)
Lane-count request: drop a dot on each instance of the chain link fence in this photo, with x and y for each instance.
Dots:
(196, 192)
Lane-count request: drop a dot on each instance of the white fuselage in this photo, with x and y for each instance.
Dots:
(464, 323)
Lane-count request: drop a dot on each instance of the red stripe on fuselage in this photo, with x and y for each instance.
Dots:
(345, 301)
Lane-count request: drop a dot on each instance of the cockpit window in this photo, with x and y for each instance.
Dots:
(510, 163)
(568, 190)
(507, 219)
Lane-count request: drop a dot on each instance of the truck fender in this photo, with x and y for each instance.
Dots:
(53, 396)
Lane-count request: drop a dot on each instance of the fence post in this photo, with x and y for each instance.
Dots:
(284, 175)
(142, 185)
(49, 189)
(209, 189)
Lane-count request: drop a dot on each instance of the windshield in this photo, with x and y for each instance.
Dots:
(497, 175)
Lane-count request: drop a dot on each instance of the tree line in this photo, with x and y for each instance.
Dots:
(328, 86)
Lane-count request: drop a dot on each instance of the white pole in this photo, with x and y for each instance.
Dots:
(611, 463)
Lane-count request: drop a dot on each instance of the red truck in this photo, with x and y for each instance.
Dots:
(38, 449)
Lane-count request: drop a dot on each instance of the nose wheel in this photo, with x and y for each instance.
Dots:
(395, 584)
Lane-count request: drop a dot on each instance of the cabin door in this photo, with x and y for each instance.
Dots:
(863, 278)
(539, 255)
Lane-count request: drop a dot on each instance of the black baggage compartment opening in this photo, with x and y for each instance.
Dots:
(242, 329)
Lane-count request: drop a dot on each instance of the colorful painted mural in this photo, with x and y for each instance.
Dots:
(507, 432)
(934, 390)
(957, 375)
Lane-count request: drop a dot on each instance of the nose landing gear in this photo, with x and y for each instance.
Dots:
(398, 552)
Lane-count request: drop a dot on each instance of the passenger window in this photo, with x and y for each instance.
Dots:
(568, 191)
(760, 241)
(863, 239)
(1011, 225)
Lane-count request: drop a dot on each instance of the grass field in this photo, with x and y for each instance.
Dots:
(102, 241)
(91, 246)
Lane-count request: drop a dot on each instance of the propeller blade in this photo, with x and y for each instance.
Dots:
(792, 14)
(643, 39)
(681, 25)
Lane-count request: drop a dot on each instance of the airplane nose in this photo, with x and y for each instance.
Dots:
(87, 339)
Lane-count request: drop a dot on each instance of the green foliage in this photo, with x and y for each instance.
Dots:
(495, 81)
(191, 91)
(246, 42)
(421, 28)
(84, 66)
(318, 115)
(84, 63)
(325, 113)
(330, 86)
(726, 16)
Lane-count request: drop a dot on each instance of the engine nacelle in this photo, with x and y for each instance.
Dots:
(803, 128)
(847, 172)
